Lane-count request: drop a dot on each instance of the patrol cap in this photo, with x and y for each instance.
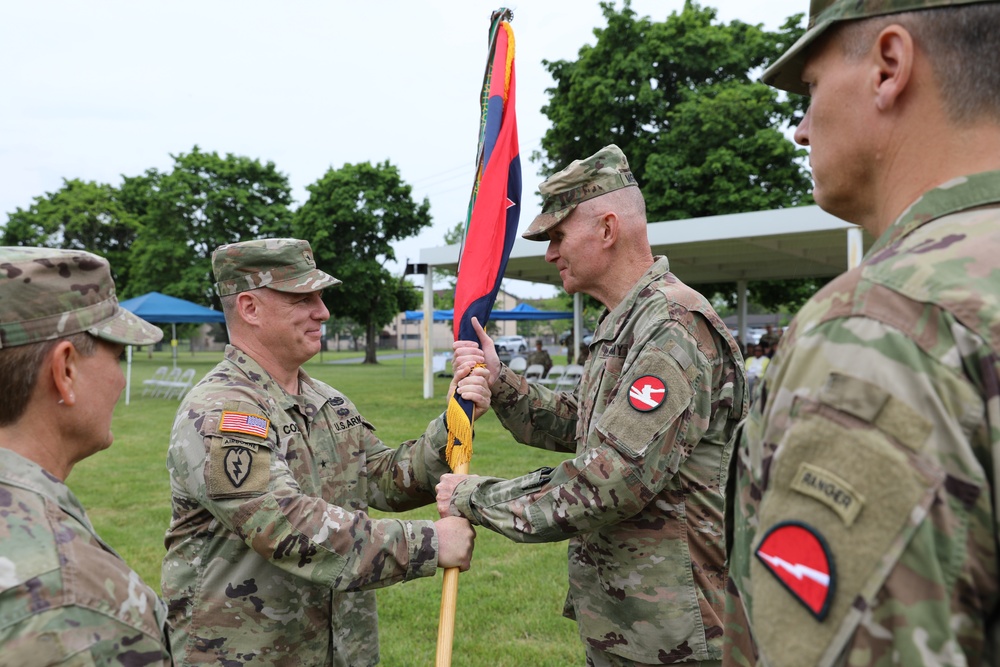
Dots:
(603, 172)
(48, 293)
(285, 265)
(786, 72)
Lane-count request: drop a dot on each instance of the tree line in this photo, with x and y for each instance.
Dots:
(159, 229)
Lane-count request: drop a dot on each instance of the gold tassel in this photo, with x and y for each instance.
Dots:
(459, 449)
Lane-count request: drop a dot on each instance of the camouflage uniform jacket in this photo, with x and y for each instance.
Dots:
(864, 509)
(271, 556)
(652, 423)
(66, 597)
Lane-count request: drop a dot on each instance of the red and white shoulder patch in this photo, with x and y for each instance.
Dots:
(647, 393)
(798, 556)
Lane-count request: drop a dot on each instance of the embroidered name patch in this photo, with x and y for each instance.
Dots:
(245, 423)
(799, 558)
(647, 393)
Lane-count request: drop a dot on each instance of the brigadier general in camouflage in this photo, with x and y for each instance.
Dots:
(271, 555)
(865, 503)
(66, 597)
(652, 424)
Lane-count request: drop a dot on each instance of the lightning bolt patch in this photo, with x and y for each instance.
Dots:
(798, 556)
(237, 465)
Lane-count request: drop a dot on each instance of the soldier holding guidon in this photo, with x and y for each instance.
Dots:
(272, 558)
(651, 423)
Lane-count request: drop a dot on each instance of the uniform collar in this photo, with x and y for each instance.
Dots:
(956, 195)
(309, 400)
(18, 471)
(611, 321)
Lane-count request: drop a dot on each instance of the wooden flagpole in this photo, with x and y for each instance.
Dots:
(449, 604)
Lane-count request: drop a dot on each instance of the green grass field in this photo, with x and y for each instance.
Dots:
(510, 602)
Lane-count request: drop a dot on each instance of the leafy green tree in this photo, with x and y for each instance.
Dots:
(204, 202)
(352, 217)
(81, 215)
(681, 99)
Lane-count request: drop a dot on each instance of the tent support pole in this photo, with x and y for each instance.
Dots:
(427, 326)
(741, 313)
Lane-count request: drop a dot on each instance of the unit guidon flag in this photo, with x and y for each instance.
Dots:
(494, 210)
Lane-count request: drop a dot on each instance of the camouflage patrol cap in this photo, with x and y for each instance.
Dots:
(48, 293)
(603, 172)
(786, 72)
(285, 265)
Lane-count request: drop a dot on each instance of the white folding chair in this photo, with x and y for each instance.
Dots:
(153, 383)
(518, 365)
(552, 377)
(570, 377)
(534, 373)
(164, 385)
(180, 387)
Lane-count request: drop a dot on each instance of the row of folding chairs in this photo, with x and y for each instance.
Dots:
(169, 383)
(560, 377)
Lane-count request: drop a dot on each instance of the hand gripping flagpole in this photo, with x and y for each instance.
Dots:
(494, 208)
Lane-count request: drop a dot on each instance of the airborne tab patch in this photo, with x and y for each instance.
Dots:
(799, 558)
(245, 423)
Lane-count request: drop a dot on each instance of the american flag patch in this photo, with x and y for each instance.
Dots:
(241, 422)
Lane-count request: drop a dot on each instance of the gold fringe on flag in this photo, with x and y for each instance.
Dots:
(459, 449)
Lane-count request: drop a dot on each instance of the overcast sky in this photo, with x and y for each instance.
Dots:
(97, 89)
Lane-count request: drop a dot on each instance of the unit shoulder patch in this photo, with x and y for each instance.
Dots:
(798, 556)
(647, 393)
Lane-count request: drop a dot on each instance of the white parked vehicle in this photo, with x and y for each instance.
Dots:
(511, 344)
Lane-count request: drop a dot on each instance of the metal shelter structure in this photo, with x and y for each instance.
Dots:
(802, 242)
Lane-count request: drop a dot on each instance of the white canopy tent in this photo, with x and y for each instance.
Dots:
(803, 242)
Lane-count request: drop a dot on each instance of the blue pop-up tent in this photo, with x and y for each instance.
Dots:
(162, 309)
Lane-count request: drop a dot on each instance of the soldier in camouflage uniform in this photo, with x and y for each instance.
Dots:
(271, 556)
(652, 423)
(540, 356)
(864, 508)
(66, 597)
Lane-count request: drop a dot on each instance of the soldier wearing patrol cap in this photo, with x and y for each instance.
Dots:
(651, 423)
(865, 503)
(66, 597)
(272, 558)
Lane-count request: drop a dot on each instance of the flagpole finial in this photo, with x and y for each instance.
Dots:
(503, 14)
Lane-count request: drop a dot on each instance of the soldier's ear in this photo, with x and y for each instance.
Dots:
(893, 55)
(248, 307)
(609, 227)
(64, 371)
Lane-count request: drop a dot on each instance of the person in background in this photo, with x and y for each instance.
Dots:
(272, 558)
(770, 339)
(66, 597)
(864, 504)
(651, 424)
(756, 364)
(541, 357)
